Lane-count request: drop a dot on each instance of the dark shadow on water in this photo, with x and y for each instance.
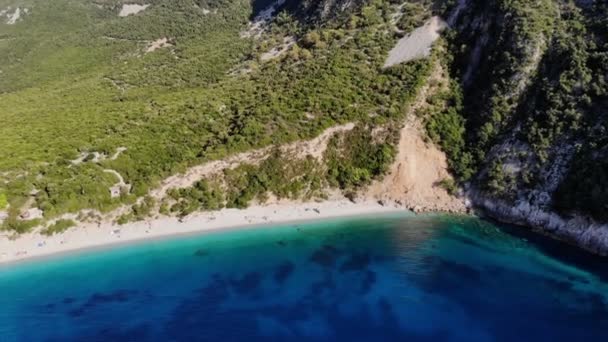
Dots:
(216, 291)
(512, 303)
(283, 271)
(248, 284)
(98, 299)
(452, 270)
(139, 333)
(68, 300)
(558, 250)
(326, 284)
(356, 262)
(314, 317)
(201, 253)
(326, 256)
(369, 279)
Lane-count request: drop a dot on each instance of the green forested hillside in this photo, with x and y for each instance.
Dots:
(536, 104)
(84, 91)
(86, 84)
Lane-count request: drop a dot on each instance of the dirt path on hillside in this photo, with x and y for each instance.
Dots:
(121, 181)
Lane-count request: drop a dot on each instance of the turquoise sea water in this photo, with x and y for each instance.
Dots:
(381, 278)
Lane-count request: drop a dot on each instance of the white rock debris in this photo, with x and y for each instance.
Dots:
(128, 9)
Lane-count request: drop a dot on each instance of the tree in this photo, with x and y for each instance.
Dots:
(313, 40)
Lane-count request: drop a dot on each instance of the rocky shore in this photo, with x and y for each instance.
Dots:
(577, 230)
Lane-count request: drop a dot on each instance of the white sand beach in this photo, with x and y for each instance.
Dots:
(93, 235)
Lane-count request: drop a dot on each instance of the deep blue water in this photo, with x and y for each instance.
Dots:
(376, 279)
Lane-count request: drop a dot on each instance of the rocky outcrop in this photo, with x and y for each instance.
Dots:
(578, 230)
(515, 76)
(321, 12)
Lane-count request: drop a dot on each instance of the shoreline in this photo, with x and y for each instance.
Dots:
(577, 231)
(92, 236)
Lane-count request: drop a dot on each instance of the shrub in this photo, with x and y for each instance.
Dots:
(3, 201)
(59, 226)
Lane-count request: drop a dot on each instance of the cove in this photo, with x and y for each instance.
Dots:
(383, 278)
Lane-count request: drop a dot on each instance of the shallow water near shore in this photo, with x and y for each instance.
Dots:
(389, 277)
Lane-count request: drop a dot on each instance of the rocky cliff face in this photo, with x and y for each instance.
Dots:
(313, 12)
(534, 76)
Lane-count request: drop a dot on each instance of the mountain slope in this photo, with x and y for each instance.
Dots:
(534, 82)
(147, 89)
(207, 93)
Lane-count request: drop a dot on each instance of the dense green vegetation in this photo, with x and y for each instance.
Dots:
(351, 162)
(281, 176)
(414, 15)
(203, 195)
(139, 211)
(3, 201)
(535, 104)
(446, 127)
(528, 94)
(59, 226)
(356, 158)
(236, 188)
(203, 98)
(585, 83)
(513, 30)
